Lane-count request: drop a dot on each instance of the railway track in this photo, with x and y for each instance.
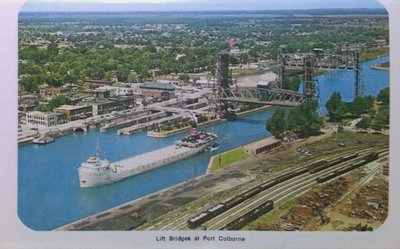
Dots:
(282, 193)
(177, 219)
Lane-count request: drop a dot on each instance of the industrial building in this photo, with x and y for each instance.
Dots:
(156, 90)
(264, 145)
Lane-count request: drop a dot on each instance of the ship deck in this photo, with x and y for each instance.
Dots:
(152, 157)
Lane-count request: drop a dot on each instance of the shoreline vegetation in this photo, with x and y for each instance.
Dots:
(382, 66)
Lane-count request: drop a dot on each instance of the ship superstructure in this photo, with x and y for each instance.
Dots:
(95, 171)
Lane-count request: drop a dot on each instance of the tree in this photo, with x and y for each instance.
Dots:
(57, 101)
(335, 107)
(52, 48)
(42, 108)
(277, 123)
(122, 73)
(361, 105)
(383, 114)
(377, 124)
(292, 83)
(384, 96)
(108, 75)
(184, 77)
(364, 123)
(304, 120)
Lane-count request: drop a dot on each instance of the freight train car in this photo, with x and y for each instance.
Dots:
(315, 165)
(366, 159)
(235, 200)
(323, 164)
(250, 215)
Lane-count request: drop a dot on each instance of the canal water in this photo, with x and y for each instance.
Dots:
(49, 195)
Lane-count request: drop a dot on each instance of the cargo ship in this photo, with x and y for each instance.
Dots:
(96, 171)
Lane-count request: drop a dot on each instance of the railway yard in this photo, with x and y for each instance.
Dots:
(341, 186)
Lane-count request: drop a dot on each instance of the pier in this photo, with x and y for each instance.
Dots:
(151, 124)
(123, 122)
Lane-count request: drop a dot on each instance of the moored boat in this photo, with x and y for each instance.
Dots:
(43, 140)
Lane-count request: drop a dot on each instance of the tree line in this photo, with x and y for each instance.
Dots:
(374, 112)
(305, 121)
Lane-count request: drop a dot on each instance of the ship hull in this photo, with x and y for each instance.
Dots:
(123, 169)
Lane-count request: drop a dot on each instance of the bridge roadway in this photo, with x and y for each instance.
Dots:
(268, 96)
(177, 219)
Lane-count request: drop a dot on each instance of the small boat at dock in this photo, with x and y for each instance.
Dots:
(43, 140)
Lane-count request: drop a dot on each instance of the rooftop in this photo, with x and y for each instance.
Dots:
(262, 143)
(157, 85)
(70, 107)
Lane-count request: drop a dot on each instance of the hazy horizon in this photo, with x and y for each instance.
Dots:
(187, 5)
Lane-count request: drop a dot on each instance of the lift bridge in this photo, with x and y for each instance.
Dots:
(267, 96)
(275, 95)
(319, 59)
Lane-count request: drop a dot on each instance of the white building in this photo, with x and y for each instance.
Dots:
(204, 82)
(116, 91)
(38, 119)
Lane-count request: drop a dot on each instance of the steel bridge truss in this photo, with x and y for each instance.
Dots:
(266, 96)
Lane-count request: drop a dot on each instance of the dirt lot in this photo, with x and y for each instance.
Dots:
(340, 205)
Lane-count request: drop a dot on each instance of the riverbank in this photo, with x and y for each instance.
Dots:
(379, 67)
(226, 158)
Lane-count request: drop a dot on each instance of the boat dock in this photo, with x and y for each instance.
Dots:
(152, 124)
(120, 123)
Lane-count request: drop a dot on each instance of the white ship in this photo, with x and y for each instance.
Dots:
(95, 171)
(43, 140)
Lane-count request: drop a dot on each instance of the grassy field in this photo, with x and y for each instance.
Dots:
(227, 158)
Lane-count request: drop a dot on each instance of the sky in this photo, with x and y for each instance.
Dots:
(187, 5)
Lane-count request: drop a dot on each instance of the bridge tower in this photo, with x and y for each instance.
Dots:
(222, 83)
(224, 79)
(359, 85)
(223, 74)
(281, 66)
(311, 88)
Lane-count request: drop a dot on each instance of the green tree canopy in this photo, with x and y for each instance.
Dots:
(277, 123)
(304, 120)
(57, 101)
(361, 105)
(364, 123)
(335, 107)
(384, 96)
(377, 124)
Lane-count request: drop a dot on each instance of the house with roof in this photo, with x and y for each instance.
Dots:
(157, 90)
